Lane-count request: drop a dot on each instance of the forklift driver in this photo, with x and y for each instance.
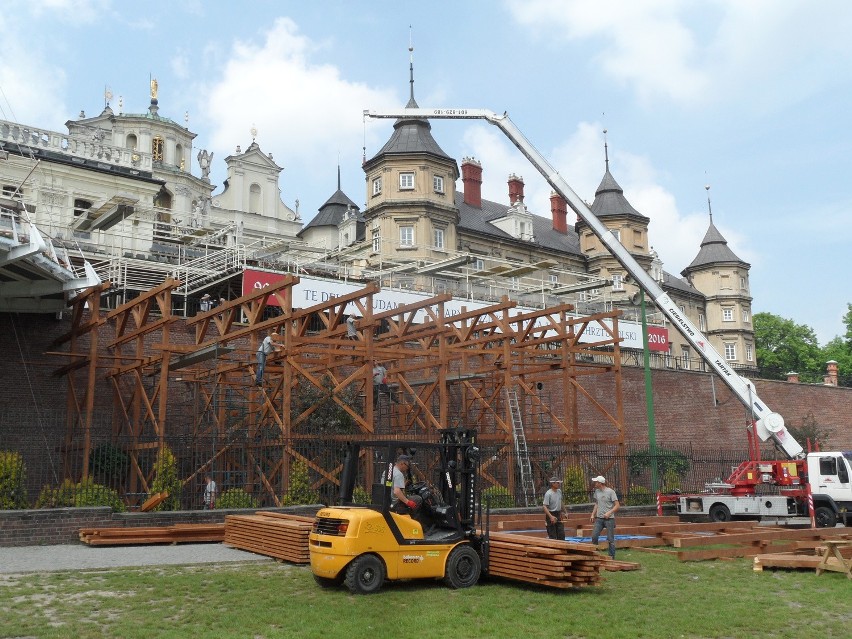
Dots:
(401, 503)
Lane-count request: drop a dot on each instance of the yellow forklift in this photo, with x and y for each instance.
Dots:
(364, 545)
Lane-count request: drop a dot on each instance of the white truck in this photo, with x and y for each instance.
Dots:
(815, 485)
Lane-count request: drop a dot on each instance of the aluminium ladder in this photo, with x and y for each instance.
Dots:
(521, 449)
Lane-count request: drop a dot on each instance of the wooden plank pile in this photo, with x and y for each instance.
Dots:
(808, 555)
(177, 534)
(277, 535)
(546, 562)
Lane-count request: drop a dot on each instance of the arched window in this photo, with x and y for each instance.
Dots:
(130, 142)
(254, 198)
(179, 155)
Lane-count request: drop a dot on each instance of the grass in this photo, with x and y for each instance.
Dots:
(268, 600)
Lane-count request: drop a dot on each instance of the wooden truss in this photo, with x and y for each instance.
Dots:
(194, 379)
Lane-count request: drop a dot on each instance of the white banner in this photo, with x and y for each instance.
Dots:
(310, 291)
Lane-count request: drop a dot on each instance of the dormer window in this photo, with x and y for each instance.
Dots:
(406, 181)
(377, 185)
(438, 184)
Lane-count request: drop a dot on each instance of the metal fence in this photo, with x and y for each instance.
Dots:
(257, 473)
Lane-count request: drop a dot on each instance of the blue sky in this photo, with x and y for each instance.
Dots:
(752, 98)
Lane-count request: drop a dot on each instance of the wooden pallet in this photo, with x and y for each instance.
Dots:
(275, 535)
(177, 534)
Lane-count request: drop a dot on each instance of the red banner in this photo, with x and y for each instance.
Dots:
(658, 339)
(256, 280)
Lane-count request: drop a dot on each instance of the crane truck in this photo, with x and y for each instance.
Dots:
(816, 484)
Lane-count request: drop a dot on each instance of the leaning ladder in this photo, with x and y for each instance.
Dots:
(521, 449)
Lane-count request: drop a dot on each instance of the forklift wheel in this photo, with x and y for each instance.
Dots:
(463, 567)
(365, 575)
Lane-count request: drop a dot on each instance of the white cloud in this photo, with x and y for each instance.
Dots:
(303, 110)
(32, 87)
(645, 45)
(756, 55)
(74, 11)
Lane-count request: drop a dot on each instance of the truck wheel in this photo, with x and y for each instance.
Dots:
(365, 575)
(463, 567)
(719, 512)
(329, 582)
(825, 517)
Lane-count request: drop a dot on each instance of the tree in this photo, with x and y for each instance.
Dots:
(783, 346)
(839, 351)
(810, 430)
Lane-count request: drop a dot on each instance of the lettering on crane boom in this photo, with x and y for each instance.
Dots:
(449, 111)
(681, 321)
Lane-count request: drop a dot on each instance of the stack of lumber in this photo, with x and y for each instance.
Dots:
(546, 562)
(272, 534)
(177, 534)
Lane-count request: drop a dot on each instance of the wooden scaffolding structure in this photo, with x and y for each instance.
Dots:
(195, 378)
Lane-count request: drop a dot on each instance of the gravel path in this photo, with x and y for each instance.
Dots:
(82, 557)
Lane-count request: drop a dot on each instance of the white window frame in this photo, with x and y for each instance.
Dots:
(438, 184)
(406, 236)
(377, 240)
(702, 322)
(515, 283)
(684, 357)
(730, 352)
(727, 315)
(377, 185)
(438, 239)
(746, 316)
(749, 352)
(554, 278)
(617, 282)
(479, 264)
(406, 181)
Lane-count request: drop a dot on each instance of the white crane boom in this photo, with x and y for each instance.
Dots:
(768, 423)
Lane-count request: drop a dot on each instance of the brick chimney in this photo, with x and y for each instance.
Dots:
(831, 373)
(559, 212)
(472, 180)
(516, 189)
(793, 377)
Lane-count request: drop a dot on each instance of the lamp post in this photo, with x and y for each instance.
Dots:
(649, 397)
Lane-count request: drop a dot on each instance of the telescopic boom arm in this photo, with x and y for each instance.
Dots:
(768, 423)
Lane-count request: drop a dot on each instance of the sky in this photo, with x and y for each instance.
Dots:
(749, 98)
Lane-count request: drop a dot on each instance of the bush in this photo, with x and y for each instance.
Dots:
(236, 498)
(300, 486)
(85, 493)
(575, 489)
(13, 492)
(109, 462)
(361, 496)
(667, 461)
(166, 480)
(639, 496)
(498, 497)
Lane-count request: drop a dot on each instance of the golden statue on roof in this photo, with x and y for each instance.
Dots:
(154, 88)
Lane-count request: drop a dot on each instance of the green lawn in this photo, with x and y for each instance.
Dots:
(265, 600)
